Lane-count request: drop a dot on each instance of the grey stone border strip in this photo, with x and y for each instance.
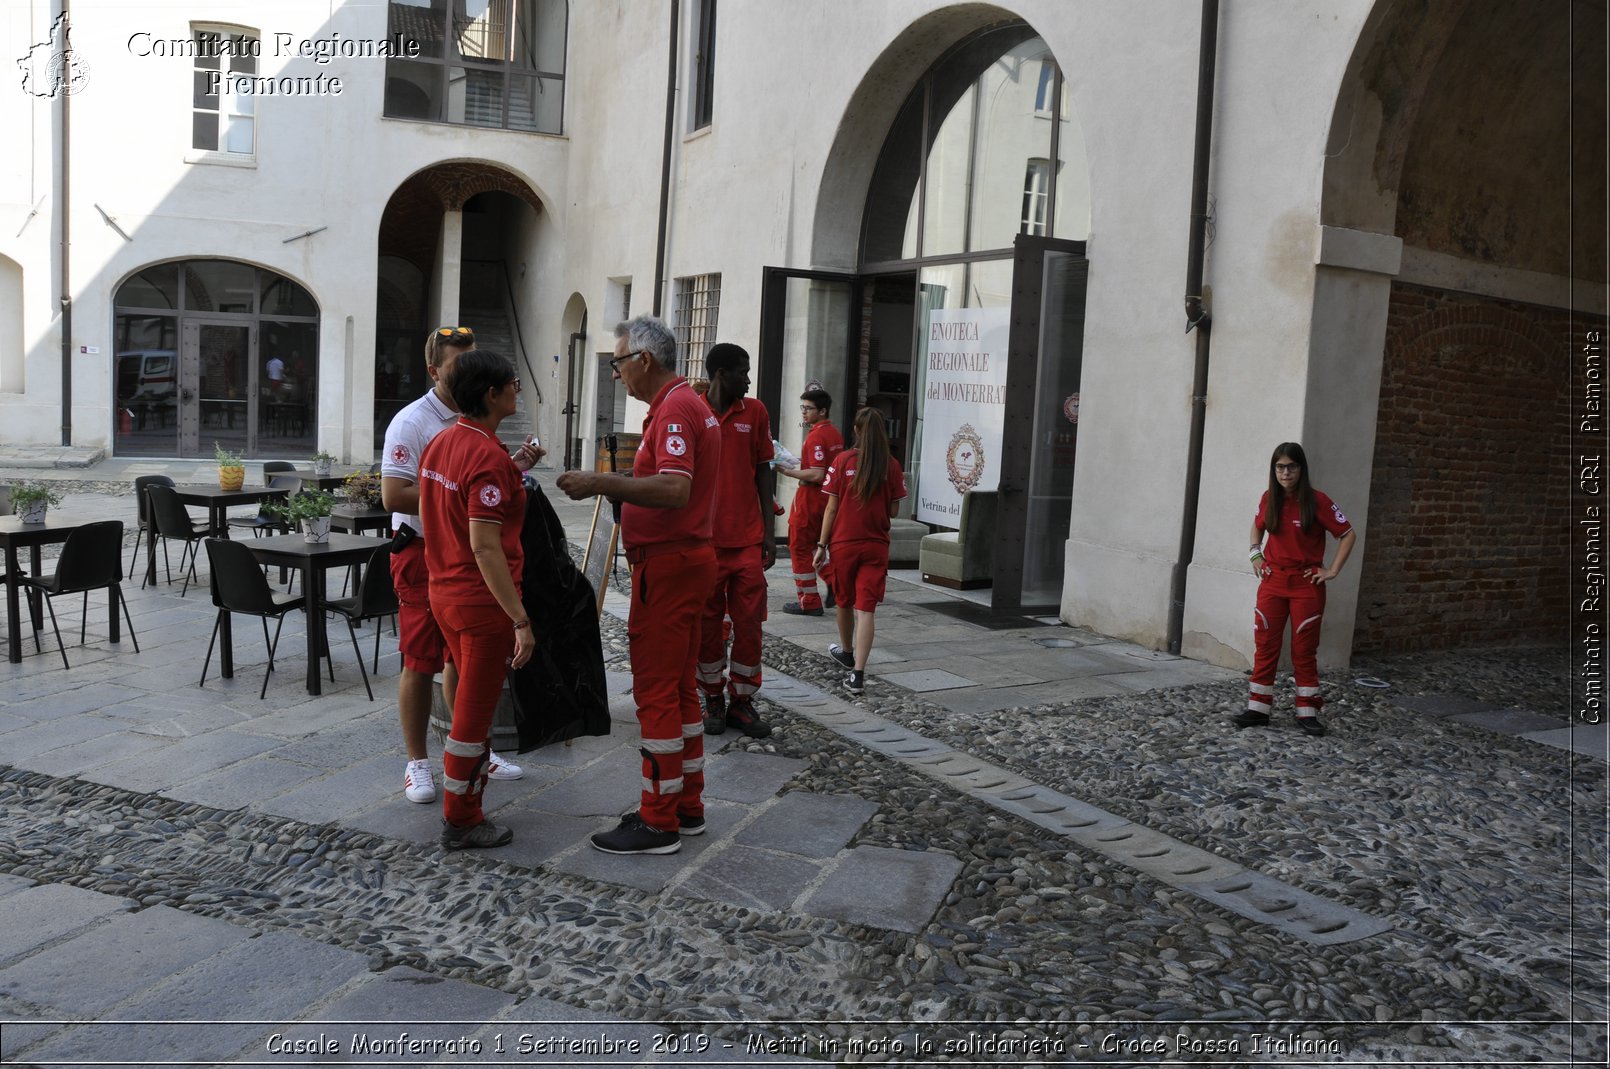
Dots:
(1218, 880)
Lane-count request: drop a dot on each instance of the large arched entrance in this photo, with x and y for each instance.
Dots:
(455, 241)
(963, 320)
(214, 352)
(1453, 135)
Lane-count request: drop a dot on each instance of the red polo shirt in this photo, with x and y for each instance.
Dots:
(1292, 547)
(466, 474)
(859, 521)
(745, 445)
(680, 437)
(822, 446)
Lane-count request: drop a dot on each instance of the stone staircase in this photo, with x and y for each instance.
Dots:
(492, 331)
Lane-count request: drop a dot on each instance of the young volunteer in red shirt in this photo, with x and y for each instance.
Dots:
(1288, 557)
(666, 528)
(744, 545)
(823, 443)
(472, 503)
(864, 487)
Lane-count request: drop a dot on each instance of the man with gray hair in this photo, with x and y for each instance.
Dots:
(666, 528)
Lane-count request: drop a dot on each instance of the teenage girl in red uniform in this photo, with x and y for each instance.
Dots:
(864, 487)
(1288, 556)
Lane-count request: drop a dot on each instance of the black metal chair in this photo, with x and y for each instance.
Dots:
(142, 512)
(91, 558)
(376, 599)
(274, 467)
(239, 586)
(265, 520)
(170, 519)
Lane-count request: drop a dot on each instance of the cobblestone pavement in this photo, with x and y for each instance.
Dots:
(179, 854)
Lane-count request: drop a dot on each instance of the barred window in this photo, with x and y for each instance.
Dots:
(698, 300)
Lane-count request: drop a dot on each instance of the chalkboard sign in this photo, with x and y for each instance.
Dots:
(599, 556)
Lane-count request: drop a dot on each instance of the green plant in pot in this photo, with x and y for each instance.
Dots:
(30, 501)
(323, 462)
(311, 509)
(231, 469)
(362, 489)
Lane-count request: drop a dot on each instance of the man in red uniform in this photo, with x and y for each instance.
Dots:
(744, 545)
(823, 443)
(665, 527)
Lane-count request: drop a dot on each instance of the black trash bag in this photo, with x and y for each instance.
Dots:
(561, 693)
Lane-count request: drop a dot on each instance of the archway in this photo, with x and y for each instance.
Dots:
(455, 239)
(1451, 151)
(212, 352)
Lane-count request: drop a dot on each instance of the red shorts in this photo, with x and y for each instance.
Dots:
(418, 636)
(857, 572)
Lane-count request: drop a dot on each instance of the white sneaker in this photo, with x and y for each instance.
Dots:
(502, 769)
(417, 783)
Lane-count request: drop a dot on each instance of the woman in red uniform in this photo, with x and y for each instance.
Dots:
(864, 486)
(472, 503)
(1288, 557)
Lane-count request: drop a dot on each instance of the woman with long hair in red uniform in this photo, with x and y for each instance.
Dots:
(864, 487)
(1288, 557)
(472, 503)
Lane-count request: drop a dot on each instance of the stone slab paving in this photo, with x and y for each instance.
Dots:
(883, 888)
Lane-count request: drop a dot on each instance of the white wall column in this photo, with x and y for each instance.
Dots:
(445, 280)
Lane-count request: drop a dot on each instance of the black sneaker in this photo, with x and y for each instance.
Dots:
(1311, 725)
(855, 682)
(827, 600)
(741, 715)
(1250, 718)
(687, 825)
(475, 837)
(635, 837)
(715, 714)
(793, 609)
(841, 655)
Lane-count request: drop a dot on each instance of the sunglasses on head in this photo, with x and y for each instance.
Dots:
(456, 332)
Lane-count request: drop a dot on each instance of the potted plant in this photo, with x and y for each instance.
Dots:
(31, 500)
(311, 509)
(362, 489)
(231, 469)
(322, 463)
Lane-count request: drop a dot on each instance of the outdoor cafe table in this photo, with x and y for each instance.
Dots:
(313, 481)
(356, 520)
(217, 502)
(15, 535)
(314, 559)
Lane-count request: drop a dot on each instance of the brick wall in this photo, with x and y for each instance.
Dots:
(1469, 534)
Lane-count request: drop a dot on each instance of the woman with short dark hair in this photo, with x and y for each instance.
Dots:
(472, 502)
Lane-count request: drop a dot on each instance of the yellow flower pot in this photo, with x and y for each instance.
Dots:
(231, 478)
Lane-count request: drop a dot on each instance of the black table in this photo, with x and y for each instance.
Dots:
(15, 535)
(320, 482)
(217, 502)
(314, 559)
(357, 520)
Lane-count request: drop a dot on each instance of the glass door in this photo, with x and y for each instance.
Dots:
(217, 388)
(808, 334)
(1040, 439)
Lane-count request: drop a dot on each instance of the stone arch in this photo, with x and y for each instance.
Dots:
(847, 174)
(1451, 149)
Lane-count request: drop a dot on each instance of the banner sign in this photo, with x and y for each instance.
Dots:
(963, 409)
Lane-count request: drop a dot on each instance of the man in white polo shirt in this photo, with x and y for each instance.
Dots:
(419, 639)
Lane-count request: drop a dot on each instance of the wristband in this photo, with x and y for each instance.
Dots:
(522, 625)
(1256, 552)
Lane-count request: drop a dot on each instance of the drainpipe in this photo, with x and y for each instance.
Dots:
(64, 199)
(1196, 317)
(665, 161)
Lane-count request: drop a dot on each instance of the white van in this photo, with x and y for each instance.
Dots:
(147, 376)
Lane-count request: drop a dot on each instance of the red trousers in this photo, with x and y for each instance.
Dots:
(1286, 595)
(482, 641)
(739, 592)
(802, 538)
(668, 594)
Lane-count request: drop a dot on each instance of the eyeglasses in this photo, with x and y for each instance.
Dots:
(456, 332)
(616, 361)
(807, 408)
(516, 385)
(1284, 468)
